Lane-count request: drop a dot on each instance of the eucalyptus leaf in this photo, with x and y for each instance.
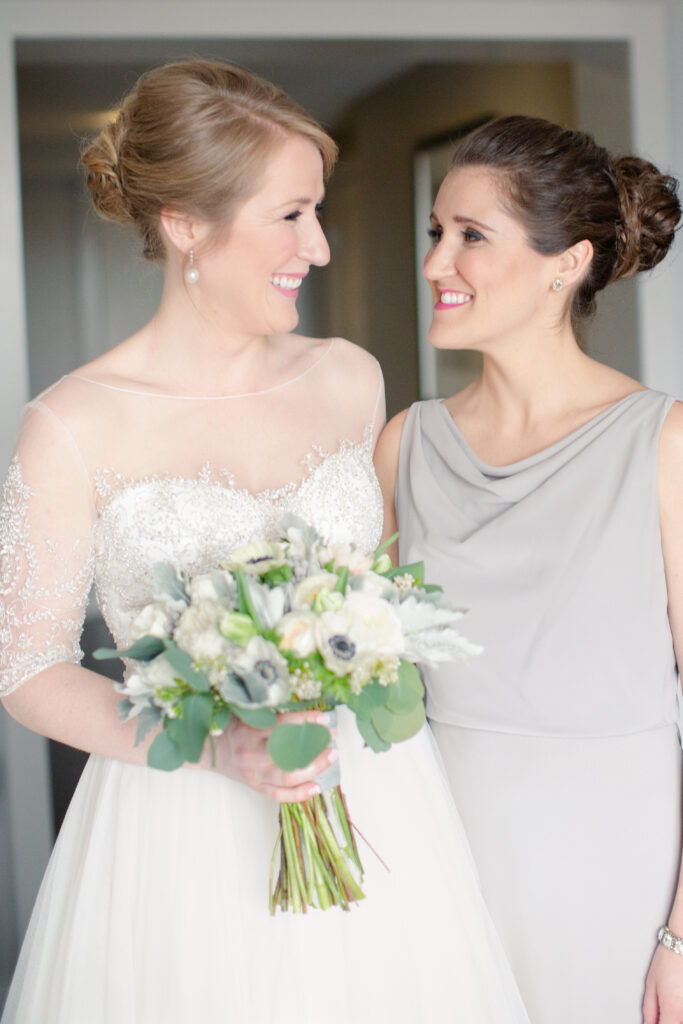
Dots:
(189, 731)
(148, 719)
(144, 649)
(370, 697)
(407, 692)
(221, 717)
(371, 736)
(393, 728)
(167, 581)
(257, 718)
(164, 753)
(295, 746)
(182, 663)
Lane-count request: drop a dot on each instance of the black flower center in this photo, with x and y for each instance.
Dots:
(342, 647)
(266, 670)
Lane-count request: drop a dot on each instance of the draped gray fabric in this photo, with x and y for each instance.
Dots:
(560, 740)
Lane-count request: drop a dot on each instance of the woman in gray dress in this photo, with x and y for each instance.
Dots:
(548, 496)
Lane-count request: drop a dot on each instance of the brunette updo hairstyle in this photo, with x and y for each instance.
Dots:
(562, 188)
(194, 137)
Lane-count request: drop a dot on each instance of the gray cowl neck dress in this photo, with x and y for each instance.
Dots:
(560, 740)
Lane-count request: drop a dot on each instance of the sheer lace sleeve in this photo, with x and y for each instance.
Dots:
(45, 550)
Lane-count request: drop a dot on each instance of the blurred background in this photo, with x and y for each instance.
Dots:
(395, 106)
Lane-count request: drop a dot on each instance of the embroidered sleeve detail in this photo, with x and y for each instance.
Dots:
(44, 585)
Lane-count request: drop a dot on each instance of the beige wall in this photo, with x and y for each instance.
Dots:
(370, 284)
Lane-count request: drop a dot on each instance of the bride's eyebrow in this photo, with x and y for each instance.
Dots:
(302, 201)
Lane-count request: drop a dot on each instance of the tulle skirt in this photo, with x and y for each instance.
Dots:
(154, 907)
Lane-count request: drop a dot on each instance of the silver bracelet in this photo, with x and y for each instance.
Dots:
(670, 941)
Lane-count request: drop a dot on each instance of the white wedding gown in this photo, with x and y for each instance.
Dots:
(154, 905)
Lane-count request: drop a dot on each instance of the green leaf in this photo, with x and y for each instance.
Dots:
(279, 574)
(245, 603)
(393, 728)
(189, 731)
(407, 692)
(370, 697)
(414, 569)
(371, 736)
(387, 544)
(257, 718)
(182, 663)
(343, 580)
(164, 753)
(221, 717)
(144, 649)
(295, 746)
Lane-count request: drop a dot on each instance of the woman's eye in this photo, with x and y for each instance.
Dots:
(319, 207)
(293, 216)
(470, 235)
(434, 234)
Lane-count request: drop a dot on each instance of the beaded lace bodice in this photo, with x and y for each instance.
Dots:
(67, 520)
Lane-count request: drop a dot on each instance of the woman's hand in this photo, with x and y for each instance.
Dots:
(241, 753)
(663, 1003)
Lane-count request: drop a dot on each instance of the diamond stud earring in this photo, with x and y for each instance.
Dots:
(557, 284)
(191, 274)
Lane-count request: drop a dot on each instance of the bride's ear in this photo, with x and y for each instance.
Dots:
(180, 231)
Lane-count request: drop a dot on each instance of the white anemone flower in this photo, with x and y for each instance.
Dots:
(258, 557)
(264, 673)
(366, 630)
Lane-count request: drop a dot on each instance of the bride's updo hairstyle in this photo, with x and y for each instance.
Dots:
(194, 137)
(562, 188)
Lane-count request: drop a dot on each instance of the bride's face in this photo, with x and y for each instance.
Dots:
(250, 278)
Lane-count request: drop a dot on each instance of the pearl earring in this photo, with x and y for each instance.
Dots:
(557, 284)
(191, 274)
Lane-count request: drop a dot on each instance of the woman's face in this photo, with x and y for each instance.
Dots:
(488, 283)
(250, 278)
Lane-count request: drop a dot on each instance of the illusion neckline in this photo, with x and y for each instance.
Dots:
(503, 469)
(206, 398)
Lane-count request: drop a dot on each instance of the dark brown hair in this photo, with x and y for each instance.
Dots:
(564, 188)
(195, 137)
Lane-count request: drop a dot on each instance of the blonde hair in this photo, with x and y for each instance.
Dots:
(194, 137)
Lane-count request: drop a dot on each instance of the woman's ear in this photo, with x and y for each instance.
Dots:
(573, 263)
(180, 231)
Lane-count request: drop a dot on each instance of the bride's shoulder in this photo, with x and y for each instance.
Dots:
(341, 355)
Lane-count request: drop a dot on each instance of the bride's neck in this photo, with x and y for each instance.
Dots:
(198, 353)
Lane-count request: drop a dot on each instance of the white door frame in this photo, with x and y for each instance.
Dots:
(641, 25)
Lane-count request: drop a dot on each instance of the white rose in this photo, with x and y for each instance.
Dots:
(197, 632)
(307, 591)
(153, 620)
(345, 556)
(297, 634)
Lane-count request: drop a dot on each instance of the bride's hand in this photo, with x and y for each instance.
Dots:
(663, 1003)
(241, 753)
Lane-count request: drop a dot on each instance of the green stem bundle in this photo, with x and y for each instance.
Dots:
(315, 870)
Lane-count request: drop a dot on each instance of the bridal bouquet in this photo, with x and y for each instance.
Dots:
(288, 625)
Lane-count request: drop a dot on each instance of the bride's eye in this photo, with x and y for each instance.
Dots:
(434, 234)
(319, 207)
(470, 235)
(294, 215)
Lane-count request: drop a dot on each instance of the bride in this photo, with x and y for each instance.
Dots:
(186, 440)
